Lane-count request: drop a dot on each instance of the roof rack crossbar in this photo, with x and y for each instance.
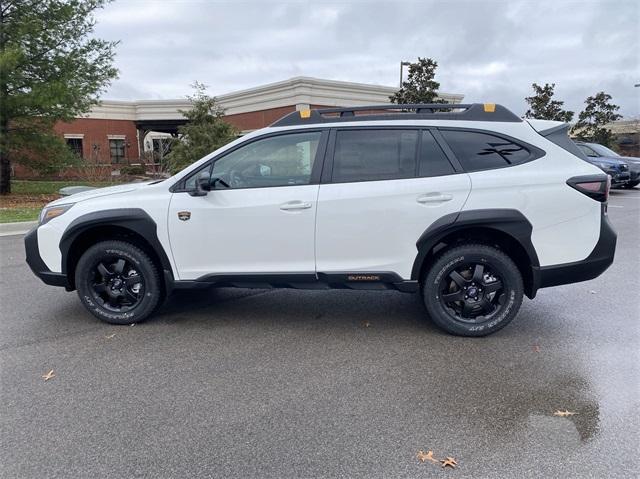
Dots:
(409, 106)
(414, 111)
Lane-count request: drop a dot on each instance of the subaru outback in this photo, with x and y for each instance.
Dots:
(468, 205)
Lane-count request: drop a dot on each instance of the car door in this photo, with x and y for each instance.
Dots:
(382, 189)
(259, 216)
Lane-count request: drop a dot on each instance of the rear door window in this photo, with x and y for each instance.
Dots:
(432, 160)
(374, 154)
(482, 151)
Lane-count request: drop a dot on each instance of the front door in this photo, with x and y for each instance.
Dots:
(259, 216)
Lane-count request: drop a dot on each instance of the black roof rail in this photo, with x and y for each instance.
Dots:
(413, 111)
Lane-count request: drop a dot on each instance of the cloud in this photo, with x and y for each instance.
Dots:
(489, 51)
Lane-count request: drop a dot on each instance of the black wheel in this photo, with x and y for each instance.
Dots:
(628, 186)
(118, 282)
(472, 290)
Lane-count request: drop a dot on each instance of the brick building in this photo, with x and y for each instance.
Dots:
(117, 133)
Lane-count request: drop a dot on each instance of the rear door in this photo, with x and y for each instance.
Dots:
(381, 189)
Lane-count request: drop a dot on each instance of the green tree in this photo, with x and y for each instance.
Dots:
(205, 131)
(420, 86)
(51, 69)
(543, 107)
(593, 120)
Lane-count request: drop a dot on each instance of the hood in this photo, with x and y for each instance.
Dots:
(629, 159)
(109, 190)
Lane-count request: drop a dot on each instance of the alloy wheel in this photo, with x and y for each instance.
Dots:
(472, 292)
(117, 285)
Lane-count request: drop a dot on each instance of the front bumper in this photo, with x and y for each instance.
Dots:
(619, 178)
(37, 265)
(591, 267)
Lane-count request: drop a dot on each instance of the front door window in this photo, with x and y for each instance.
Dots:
(276, 161)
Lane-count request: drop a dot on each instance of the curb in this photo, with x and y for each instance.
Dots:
(18, 228)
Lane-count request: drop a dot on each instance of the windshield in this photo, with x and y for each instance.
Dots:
(603, 150)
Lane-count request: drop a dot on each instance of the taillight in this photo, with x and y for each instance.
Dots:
(594, 186)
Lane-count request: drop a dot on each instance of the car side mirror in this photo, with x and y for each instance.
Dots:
(202, 185)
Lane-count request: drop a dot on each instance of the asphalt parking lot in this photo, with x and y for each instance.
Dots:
(281, 383)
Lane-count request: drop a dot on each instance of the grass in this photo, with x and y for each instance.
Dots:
(28, 197)
(25, 187)
(13, 215)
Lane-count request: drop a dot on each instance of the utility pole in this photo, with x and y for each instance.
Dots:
(406, 64)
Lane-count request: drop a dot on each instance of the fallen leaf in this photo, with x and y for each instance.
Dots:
(592, 292)
(110, 336)
(426, 456)
(536, 348)
(366, 324)
(449, 461)
(564, 413)
(49, 375)
(132, 324)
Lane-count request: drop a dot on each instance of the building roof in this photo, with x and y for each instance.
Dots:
(299, 91)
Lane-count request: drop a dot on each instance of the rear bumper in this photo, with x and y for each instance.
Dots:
(37, 265)
(591, 267)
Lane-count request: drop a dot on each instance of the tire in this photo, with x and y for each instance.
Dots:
(492, 280)
(628, 186)
(118, 282)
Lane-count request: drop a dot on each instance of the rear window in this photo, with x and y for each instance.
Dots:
(482, 151)
(369, 155)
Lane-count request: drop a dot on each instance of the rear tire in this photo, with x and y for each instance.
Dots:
(472, 290)
(118, 282)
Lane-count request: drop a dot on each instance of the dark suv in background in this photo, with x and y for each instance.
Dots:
(624, 170)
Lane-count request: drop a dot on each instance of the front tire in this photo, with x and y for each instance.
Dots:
(472, 290)
(118, 282)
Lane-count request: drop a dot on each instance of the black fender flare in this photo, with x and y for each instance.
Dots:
(133, 219)
(508, 221)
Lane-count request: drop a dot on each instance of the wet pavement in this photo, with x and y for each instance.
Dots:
(245, 383)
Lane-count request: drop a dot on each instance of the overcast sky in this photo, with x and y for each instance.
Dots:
(490, 51)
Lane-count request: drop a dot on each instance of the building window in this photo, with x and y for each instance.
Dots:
(75, 145)
(117, 151)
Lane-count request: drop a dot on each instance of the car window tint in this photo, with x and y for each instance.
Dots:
(588, 151)
(480, 151)
(433, 161)
(368, 155)
(275, 161)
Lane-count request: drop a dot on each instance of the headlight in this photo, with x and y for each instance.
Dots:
(51, 212)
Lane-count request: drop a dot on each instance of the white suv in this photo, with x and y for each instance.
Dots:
(472, 207)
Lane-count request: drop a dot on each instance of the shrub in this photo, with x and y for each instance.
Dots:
(133, 170)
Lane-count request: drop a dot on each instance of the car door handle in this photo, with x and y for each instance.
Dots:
(434, 198)
(295, 205)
